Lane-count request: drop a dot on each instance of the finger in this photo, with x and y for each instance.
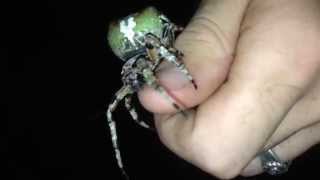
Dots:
(288, 150)
(233, 125)
(303, 114)
(208, 43)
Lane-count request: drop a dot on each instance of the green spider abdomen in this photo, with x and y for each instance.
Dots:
(126, 36)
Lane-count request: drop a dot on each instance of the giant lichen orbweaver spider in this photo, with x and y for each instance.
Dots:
(142, 40)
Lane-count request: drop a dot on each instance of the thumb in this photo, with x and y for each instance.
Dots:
(207, 43)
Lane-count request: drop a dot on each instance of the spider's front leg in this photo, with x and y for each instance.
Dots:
(151, 80)
(123, 92)
(133, 112)
(170, 54)
(170, 29)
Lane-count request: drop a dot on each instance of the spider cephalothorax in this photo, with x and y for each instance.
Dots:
(142, 40)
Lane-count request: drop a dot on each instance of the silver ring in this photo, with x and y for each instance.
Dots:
(272, 164)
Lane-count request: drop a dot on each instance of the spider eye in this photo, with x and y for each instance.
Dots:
(138, 82)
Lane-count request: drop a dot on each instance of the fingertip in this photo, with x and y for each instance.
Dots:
(152, 101)
(207, 77)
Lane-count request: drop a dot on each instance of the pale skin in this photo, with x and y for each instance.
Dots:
(257, 67)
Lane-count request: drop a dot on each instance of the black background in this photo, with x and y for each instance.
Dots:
(62, 76)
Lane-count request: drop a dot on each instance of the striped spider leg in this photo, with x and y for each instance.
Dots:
(137, 72)
(143, 40)
(159, 52)
(133, 112)
(123, 92)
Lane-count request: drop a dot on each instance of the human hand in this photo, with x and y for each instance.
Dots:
(257, 67)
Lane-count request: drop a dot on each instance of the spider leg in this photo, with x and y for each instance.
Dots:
(174, 56)
(175, 51)
(169, 54)
(125, 90)
(170, 25)
(134, 113)
(151, 80)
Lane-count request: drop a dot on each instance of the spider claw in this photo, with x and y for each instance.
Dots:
(180, 110)
(125, 175)
(134, 113)
(176, 106)
(194, 84)
(184, 113)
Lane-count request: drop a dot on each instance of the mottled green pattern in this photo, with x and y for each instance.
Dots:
(148, 21)
(115, 38)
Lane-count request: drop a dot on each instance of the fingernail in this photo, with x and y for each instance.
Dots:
(171, 77)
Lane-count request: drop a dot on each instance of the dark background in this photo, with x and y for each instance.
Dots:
(61, 77)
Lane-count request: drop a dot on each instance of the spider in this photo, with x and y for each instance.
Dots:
(142, 40)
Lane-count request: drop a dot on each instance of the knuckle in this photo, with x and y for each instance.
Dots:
(214, 159)
(206, 33)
